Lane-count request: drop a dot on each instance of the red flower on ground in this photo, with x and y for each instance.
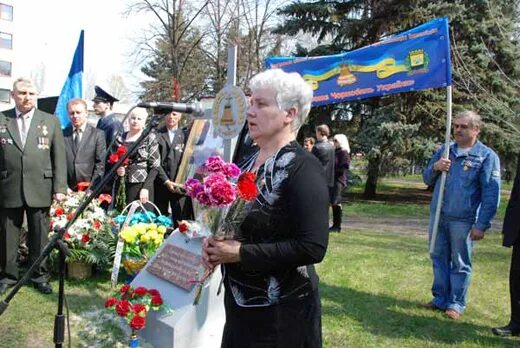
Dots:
(157, 300)
(140, 309)
(124, 289)
(138, 322)
(97, 224)
(59, 212)
(154, 292)
(70, 216)
(183, 227)
(123, 307)
(66, 236)
(139, 291)
(111, 301)
(85, 238)
(247, 188)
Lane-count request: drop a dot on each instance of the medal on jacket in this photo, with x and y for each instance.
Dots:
(44, 130)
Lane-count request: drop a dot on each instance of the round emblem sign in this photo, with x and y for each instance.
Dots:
(229, 112)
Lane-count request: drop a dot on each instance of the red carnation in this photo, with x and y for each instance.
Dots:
(139, 291)
(82, 186)
(121, 150)
(59, 212)
(123, 307)
(124, 289)
(110, 302)
(157, 300)
(154, 292)
(137, 322)
(140, 309)
(247, 186)
(113, 158)
(183, 227)
(85, 238)
(104, 197)
(66, 236)
(70, 216)
(97, 224)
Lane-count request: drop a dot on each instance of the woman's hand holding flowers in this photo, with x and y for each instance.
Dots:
(121, 171)
(218, 251)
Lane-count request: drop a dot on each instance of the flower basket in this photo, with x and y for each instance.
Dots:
(133, 265)
(79, 270)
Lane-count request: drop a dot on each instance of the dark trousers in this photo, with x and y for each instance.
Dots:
(11, 220)
(178, 203)
(514, 284)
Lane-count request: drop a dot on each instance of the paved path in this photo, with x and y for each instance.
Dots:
(415, 226)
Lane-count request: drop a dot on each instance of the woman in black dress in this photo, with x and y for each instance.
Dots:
(272, 297)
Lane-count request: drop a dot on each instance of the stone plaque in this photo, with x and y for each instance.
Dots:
(176, 265)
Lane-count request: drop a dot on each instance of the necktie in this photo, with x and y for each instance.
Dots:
(25, 129)
(77, 138)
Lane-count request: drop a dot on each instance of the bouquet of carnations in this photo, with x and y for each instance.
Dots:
(81, 237)
(221, 186)
(220, 196)
(134, 305)
(120, 196)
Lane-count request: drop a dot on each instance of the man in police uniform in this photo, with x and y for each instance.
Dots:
(32, 174)
(108, 123)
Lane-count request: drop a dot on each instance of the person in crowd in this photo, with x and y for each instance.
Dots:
(108, 122)
(272, 297)
(141, 171)
(33, 172)
(341, 167)
(171, 140)
(308, 143)
(471, 197)
(511, 232)
(324, 151)
(85, 147)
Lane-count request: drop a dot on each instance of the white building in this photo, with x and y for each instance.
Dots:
(7, 53)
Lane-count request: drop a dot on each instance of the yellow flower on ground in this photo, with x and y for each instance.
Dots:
(129, 235)
(161, 229)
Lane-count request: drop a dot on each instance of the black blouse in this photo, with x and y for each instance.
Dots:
(284, 231)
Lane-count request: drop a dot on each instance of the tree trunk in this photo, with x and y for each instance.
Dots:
(372, 177)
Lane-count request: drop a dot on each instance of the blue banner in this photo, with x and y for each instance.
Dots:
(410, 61)
(73, 87)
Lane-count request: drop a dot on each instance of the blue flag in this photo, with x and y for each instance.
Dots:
(73, 87)
(410, 61)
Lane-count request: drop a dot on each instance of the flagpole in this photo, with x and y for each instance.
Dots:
(444, 174)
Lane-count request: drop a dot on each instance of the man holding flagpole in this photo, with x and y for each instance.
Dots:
(471, 197)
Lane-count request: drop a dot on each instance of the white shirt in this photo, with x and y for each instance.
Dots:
(171, 134)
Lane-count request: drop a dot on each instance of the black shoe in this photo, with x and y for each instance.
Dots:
(508, 330)
(335, 229)
(3, 288)
(45, 288)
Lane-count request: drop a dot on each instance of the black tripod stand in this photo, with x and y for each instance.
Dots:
(57, 240)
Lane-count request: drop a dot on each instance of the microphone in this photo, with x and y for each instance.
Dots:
(195, 108)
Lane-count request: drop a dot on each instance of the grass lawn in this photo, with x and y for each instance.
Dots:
(371, 283)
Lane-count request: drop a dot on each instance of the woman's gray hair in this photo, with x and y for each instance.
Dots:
(343, 142)
(291, 91)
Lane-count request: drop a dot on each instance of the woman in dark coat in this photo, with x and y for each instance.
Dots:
(341, 167)
(272, 297)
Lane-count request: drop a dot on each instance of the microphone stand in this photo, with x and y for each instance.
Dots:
(57, 240)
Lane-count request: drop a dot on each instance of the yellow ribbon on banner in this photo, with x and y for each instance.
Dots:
(385, 68)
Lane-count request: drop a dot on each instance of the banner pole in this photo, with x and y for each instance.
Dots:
(446, 155)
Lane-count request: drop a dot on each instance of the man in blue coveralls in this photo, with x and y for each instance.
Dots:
(471, 197)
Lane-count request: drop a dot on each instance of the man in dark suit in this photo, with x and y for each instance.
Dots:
(32, 173)
(108, 123)
(512, 238)
(171, 141)
(85, 147)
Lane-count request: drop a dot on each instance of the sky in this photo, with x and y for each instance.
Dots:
(47, 33)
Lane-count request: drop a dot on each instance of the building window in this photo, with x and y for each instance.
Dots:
(5, 68)
(5, 95)
(6, 40)
(6, 12)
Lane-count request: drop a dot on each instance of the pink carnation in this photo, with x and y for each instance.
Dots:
(193, 187)
(219, 190)
(203, 198)
(215, 164)
(232, 170)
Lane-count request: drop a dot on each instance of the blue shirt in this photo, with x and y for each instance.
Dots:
(472, 190)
